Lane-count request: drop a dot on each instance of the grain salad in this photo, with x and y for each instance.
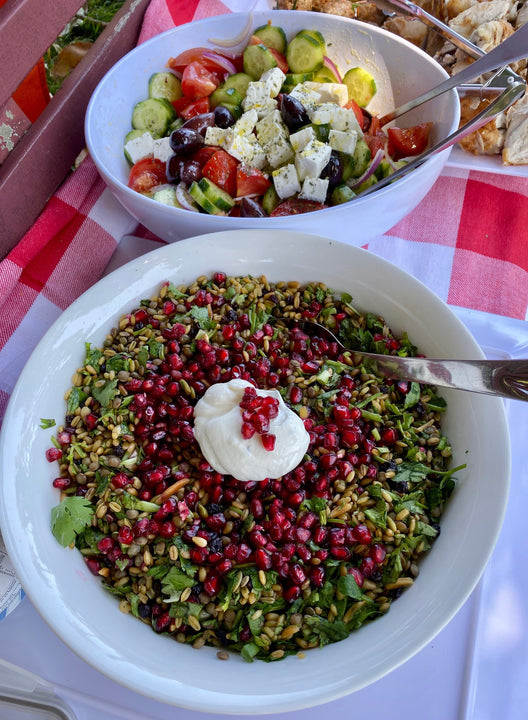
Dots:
(270, 568)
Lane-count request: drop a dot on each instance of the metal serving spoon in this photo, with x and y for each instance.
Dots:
(513, 48)
(503, 378)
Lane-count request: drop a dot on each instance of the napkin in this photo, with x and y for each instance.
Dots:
(467, 240)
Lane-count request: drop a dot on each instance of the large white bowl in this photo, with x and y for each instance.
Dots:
(86, 616)
(402, 71)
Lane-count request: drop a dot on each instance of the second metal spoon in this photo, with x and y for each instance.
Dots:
(504, 378)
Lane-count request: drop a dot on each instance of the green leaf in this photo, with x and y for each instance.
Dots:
(105, 393)
(248, 651)
(201, 315)
(412, 396)
(156, 349)
(326, 631)
(175, 581)
(393, 567)
(118, 362)
(349, 587)
(142, 356)
(69, 518)
(364, 612)
(46, 423)
(131, 502)
(378, 514)
(257, 318)
(76, 398)
(93, 355)
(175, 293)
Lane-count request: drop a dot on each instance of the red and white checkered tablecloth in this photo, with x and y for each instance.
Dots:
(467, 240)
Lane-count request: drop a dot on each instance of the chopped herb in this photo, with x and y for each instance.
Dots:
(69, 518)
(46, 423)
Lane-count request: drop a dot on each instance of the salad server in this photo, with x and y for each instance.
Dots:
(513, 48)
(503, 378)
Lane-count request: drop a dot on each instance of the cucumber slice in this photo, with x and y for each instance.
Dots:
(225, 96)
(167, 196)
(341, 194)
(293, 79)
(270, 200)
(361, 86)
(356, 164)
(272, 36)
(196, 192)
(315, 35)
(304, 54)
(325, 75)
(256, 60)
(154, 115)
(218, 197)
(238, 81)
(165, 85)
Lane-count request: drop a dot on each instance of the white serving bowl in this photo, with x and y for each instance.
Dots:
(86, 617)
(402, 71)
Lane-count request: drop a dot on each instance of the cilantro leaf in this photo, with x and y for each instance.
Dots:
(412, 396)
(349, 587)
(248, 651)
(201, 315)
(93, 355)
(69, 518)
(175, 581)
(105, 393)
(46, 423)
(326, 631)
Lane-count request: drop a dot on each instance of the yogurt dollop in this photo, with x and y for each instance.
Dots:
(217, 429)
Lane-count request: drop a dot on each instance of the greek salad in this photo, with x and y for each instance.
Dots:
(277, 130)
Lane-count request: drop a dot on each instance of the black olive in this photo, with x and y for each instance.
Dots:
(185, 141)
(172, 169)
(293, 113)
(223, 117)
(333, 170)
(190, 171)
(200, 123)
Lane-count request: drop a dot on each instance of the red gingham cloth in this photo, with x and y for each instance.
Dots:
(467, 240)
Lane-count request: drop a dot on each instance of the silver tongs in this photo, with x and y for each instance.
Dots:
(513, 48)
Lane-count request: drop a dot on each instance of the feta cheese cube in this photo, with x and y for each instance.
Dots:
(339, 118)
(278, 152)
(311, 161)
(308, 98)
(140, 147)
(274, 79)
(257, 93)
(248, 150)
(162, 149)
(271, 127)
(329, 92)
(246, 123)
(218, 136)
(314, 189)
(286, 181)
(301, 138)
(342, 141)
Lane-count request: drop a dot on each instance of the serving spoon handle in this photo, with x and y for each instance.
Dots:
(513, 48)
(503, 378)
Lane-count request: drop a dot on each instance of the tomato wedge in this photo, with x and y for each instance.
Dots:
(251, 181)
(146, 174)
(187, 108)
(222, 170)
(297, 206)
(408, 141)
(197, 81)
(358, 112)
(205, 56)
(204, 154)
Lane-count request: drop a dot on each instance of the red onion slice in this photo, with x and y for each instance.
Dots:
(184, 198)
(222, 61)
(333, 68)
(378, 157)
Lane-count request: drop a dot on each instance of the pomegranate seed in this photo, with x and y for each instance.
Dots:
(61, 483)
(378, 553)
(53, 454)
(125, 535)
(223, 566)
(367, 567)
(304, 553)
(212, 584)
(243, 553)
(292, 593)
(162, 623)
(105, 545)
(90, 421)
(389, 436)
(93, 565)
(356, 574)
(262, 559)
(302, 534)
(268, 441)
(297, 574)
(340, 552)
(247, 430)
(64, 438)
(361, 534)
(317, 576)
(168, 529)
